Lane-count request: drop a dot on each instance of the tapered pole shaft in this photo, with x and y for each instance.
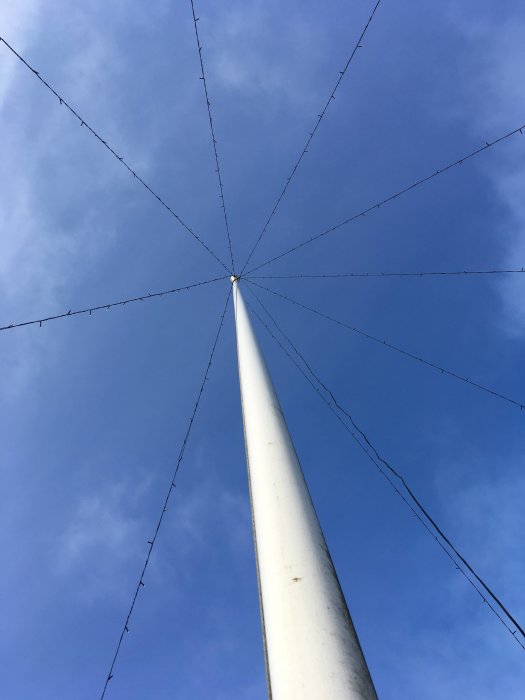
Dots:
(312, 649)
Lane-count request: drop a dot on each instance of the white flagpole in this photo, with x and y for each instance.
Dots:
(311, 646)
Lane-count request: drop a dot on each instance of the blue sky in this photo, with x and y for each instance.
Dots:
(94, 408)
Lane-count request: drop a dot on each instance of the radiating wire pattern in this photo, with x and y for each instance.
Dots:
(151, 542)
(311, 135)
(395, 478)
(212, 130)
(386, 344)
(111, 150)
(112, 304)
(340, 275)
(390, 198)
(415, 505)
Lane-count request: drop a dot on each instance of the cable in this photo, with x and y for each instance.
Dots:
(311, 135)
(418, 509)
(384, 274)
(214, 140)
(378, 205)
(151, 542)
(111, 150)
(90, 310)
(386, 344)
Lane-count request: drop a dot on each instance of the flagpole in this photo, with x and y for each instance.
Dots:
(311, 647)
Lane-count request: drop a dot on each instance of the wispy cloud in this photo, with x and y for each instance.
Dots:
(488, 512)
(203, 505)
(55, 219)
(242, 62)
(104, 537)
(18, 22)
(492, 84)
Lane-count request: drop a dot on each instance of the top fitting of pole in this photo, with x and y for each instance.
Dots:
(235, 278)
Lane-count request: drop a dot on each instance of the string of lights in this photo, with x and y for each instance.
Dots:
(386, 344)
(122, 302)
(341, 275)
(99, 138)
(408, 496)
(152, 541)
(311, 135)
(212, 130)
(391, 198)
(395, 478)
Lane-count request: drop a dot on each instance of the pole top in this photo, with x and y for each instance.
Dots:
(235, 278)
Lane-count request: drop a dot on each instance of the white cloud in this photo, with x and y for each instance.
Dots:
(239, 41)
(489, 515)
(18, 24)
(104, 536)
(53, 221)
(511, 190)
(493, 85)
(104, 540)
(205, 506)
(480, 507)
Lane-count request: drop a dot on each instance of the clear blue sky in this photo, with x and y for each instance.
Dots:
(94, 408)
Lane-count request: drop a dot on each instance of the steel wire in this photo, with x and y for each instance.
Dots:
(390, 198)
(122, 302)
(212, 130)
(419, 510)
(151, 543)
(320, 117)
(136, 176)
(341, 275)
(386, 344)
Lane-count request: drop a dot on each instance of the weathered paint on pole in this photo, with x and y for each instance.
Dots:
(312, 649)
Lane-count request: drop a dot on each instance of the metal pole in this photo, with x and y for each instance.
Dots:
(311, 646)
